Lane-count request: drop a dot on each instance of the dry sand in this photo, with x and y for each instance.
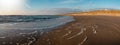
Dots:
(97, 12)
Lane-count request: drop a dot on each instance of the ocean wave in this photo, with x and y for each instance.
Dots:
(25, 33)
(20, 18)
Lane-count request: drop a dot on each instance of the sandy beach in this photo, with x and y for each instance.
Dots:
(85, 30)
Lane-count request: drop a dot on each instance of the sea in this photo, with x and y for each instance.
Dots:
(26, 29)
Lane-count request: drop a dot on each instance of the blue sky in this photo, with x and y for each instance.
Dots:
(46, 7)
(79, 4)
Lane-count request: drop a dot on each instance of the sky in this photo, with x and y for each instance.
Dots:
(53, 6)
(80, 4)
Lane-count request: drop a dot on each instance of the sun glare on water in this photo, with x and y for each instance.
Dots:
(7, 6)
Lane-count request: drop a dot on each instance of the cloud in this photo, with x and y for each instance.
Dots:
(53, 11)
(70, 1)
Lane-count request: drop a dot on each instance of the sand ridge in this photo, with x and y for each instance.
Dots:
(97, 12)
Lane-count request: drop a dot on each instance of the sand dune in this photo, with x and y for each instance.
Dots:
(97, 12)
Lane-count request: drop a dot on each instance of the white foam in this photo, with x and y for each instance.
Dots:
(69, 32)
(83, 40)
(79, 33)
(2, 37)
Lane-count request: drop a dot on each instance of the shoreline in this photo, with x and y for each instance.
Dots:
(26, 33)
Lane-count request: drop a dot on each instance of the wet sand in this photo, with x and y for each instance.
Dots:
(85, 30)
